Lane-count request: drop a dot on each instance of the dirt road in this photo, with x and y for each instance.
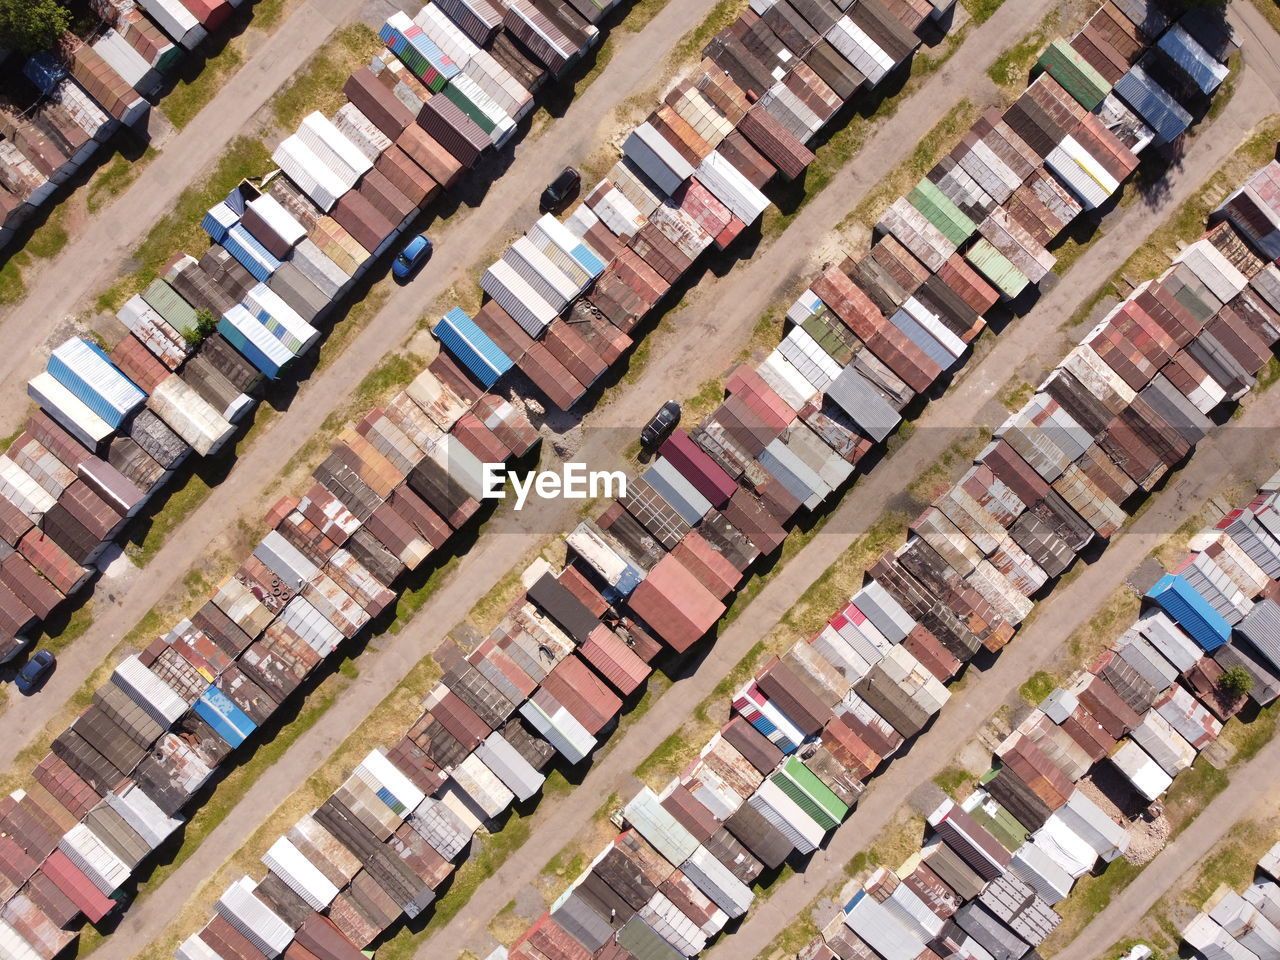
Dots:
(689, 351)
(505, 210)
(741, 296)
(93, 259)
(1250, 785)
(1224, 457)
(1033, 339)
(380, 670)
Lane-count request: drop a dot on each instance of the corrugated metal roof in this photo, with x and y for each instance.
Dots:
(646, 814)
(1191, 611)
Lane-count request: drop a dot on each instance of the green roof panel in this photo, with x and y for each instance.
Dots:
(1062, 62)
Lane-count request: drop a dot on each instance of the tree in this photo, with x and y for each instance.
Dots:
(1236, 681)
(31, 25)
(206, 323)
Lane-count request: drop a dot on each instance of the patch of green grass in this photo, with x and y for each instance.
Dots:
(12, 287)
(1192, 791)
(319, 84)
(953, 780)
(267, 14)
(1089, 897)
(47, 242)
(354, 321)
(1037, 686)
(1249, 738)
(412, 600)
(897, 841)
(1227, 89)
(857, 863)
(691, 44)
(1013, 67)
(1118, 611)
(638, 360)
(189, 96)
(556, 785)
(1268, 375)
(180, 505)
(115, 178)
(709, 396)
(180, 229)
(78, 623)
(566, 865)
(1231, 863)
(793, 937)
(982, 10)
(925, 154)
(669, 755)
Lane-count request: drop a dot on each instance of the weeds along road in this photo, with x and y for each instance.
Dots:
(688, 351)
(1254, 782)
(94, 258)
(1032, 340)
(692, 344)
(507, 206)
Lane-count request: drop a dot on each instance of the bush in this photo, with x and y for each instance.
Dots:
(31, 25)
(1236, 680)
(206, 324)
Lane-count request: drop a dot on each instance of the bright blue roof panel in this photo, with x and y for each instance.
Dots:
(1181, 601)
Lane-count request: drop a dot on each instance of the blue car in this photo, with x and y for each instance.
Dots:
(415, 253)
(35, 670)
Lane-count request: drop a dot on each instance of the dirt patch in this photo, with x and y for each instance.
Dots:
(1147, 835)
(1147, 838)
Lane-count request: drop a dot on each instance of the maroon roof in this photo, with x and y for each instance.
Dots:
(698, 468)
(780, 684)
(691, 813)
(78, 888)
(583, 694)
(752, 744)
(749, 515)
(13, 522)
(322, 938)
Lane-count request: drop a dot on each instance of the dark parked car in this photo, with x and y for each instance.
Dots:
(414, 254)
(561, 189)
(661, 424)
(35, 670)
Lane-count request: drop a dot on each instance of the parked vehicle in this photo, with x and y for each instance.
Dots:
(661, 424)
(415, 253)
(35, 670)
(560, 190)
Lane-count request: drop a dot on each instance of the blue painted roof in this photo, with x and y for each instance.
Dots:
(44, 70)
(1153, 103)
(253, 256)
(244, 332)
(587, 260)
(437, 57)
(228, 721)
(472, 347)
(1181, 601)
